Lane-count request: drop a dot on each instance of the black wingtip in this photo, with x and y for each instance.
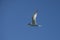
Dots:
(36, 10)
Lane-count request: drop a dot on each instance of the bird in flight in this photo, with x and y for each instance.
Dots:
(34, 23)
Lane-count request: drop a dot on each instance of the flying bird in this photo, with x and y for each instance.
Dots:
(34, 23)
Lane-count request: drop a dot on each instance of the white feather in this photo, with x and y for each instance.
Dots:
(34, 16)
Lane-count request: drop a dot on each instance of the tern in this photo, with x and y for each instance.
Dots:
(34, 23)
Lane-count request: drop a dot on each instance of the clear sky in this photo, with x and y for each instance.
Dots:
(16, 14)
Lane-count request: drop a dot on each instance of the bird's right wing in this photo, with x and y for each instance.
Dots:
(34, 18)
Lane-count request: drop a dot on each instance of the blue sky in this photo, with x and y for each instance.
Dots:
(16, 14)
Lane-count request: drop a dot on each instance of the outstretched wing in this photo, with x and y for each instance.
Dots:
(34, 18)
